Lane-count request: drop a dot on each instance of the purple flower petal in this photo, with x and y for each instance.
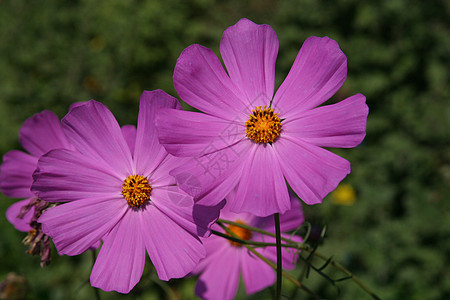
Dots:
(311, 171)
(160, 177)
(129, 133)
(94, 131)
(262, 189)
(149, 153)
(256, 274)
(76, 104)
(201, 81)
(290, 220)
(180, 208)
(65, 175)
(318, 72)
(21, 224)
(294, 217)
(42, 133)
(120, 262)
(186, 133)
(78, 225)
(214, 245)
(220, 280)
(96, 245)
(206, 216)
(16, 174)
(176, 204)
(340, 125)
(248, 218)
(211, 177)
(173, 251)
(249, 52)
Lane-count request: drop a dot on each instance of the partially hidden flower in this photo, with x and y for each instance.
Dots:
(38, 135)
(126, 199)
(226, 261)
(251, 139)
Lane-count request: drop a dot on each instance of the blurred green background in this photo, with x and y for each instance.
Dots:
(394, 233)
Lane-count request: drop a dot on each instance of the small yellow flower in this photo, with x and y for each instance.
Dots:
(344, 194)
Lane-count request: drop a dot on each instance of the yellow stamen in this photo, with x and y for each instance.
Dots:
(136, 190)
(263, 125)
(242, 233)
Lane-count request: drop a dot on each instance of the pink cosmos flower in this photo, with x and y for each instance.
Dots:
(225, 261)
(251, 139)
(126, 199)
(38, 135)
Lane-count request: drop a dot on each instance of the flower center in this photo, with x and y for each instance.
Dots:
(136, 190)
(263, 125)
(242, 233)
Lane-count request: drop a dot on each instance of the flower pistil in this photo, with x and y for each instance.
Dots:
(263, 125)
(136, 190)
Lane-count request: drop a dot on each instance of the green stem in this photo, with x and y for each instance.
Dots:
(301, 276)
(349, 274)
(279, 256)
(245, 226)
(246, 242)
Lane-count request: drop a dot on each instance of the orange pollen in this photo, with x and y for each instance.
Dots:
(263, 125)
(242, 233)
(136, 190)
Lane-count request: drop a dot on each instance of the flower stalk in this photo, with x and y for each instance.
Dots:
(279, 256)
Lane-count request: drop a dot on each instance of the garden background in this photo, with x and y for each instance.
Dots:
(394, 233)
